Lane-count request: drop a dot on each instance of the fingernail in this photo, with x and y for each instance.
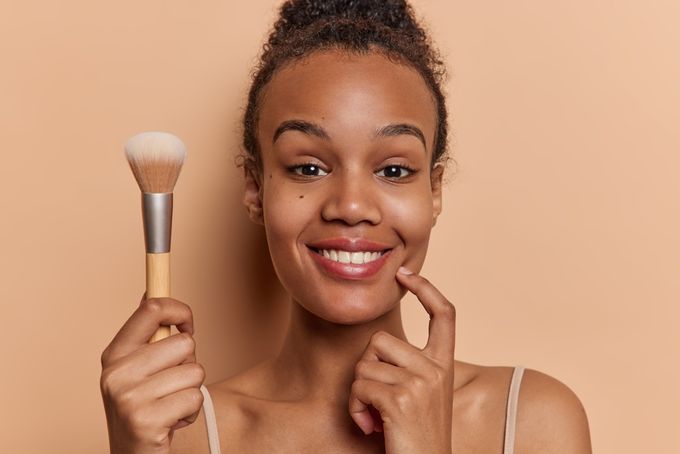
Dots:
(365, 422)
(404, 270)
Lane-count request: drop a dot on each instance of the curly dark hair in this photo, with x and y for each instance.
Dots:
(355, 26)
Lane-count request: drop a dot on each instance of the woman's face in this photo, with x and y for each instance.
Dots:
(334, 169)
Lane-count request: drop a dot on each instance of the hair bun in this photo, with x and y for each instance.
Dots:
(297, 14)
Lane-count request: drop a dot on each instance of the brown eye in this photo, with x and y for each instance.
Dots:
(395, 171)
(307, 170)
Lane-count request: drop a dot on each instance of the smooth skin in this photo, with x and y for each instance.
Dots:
(346, 367)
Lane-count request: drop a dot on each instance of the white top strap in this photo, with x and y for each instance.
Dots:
(510, 417)
(210, 422)
(511, 410)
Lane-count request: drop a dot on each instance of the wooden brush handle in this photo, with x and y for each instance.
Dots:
(158, 285)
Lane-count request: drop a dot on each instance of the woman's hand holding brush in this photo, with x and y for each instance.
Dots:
(150, 381)
(151, 389)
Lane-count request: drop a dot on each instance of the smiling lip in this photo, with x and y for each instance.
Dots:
(349, 244)
(351, 271)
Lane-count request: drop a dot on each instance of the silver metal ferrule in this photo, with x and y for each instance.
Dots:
(157, 215)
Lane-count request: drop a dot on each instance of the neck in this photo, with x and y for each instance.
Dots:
(318, 357)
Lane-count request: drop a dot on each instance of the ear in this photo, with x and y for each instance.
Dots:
(252, 195)
(436, 178)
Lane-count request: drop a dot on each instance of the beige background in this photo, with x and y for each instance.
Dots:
(558, 242)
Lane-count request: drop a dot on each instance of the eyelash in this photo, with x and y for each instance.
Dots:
(313, 164)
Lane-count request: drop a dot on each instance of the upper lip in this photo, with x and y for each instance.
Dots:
(349, 244)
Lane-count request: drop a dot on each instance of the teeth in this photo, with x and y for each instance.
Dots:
(350, 257)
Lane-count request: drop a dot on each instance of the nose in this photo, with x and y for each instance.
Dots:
(351, 199)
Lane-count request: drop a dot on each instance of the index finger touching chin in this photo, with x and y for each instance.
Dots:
(442, 329)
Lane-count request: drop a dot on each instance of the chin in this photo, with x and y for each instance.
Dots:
(350, 318)
(351, 309)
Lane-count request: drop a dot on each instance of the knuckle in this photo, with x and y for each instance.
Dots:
(198, 371)
(378, 336)
(126, 397)
(105, 383)
(152, 306)
(449, 311)
(418, 383)
(105, 356)
(108, 382)
(188, 314)
(182, 308)
(187, 341)
(196, 398)
(438, 376)
(361, 368)
(140, 422)
(354, 389)
(402, 399)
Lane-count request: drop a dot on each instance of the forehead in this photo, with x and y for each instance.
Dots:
(343, 90)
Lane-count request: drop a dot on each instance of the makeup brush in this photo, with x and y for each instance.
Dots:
(156, 159)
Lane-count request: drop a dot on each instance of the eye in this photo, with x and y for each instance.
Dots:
(308, 170)
(396, 171)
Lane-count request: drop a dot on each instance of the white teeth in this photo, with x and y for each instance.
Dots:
(350, 257)
(343, 257)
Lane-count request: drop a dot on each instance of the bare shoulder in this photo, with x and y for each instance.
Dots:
(550, 417)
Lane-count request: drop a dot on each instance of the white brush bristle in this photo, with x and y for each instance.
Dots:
(156, 159)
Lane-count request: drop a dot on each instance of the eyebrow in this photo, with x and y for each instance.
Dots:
(303, 126)
(396, 129)
(310, 128)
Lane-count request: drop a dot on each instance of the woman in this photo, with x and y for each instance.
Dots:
(345, 149)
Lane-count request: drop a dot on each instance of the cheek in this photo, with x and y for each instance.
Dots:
(411, 215)
(286, 216)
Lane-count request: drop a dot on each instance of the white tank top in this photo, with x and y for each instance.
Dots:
(510, 415)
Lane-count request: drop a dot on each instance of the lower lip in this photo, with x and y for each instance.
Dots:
(351, 271)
